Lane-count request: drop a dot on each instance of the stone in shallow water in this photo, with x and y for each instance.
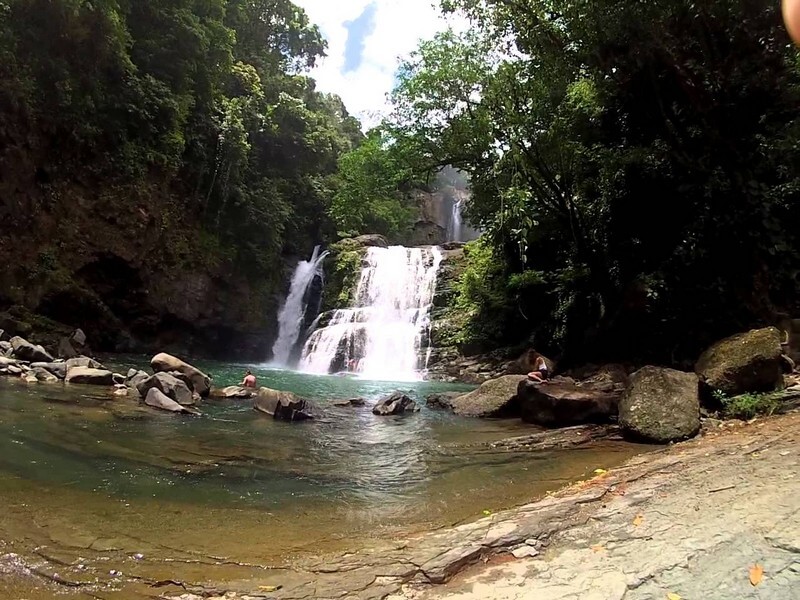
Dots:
(171, 386)
(201, 383)
(89, 376)
(282, 406)
(349, 403)
(395, 404)
(24, 350)
(157, 399)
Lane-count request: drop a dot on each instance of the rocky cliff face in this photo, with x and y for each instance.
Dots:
(435, 224)
(130, 266)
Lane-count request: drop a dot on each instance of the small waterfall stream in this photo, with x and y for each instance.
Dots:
(385, 335)
(291, 317)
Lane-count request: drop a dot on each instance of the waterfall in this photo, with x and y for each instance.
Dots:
(455, 224)
(292, 314)
(385, 335)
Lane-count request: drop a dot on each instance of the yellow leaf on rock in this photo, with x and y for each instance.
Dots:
(756, 574)
(487, 512)
(638, 520)
(269, 588)
(600, 471)
(673, 596)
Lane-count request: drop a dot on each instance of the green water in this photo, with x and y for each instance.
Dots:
(83, 471)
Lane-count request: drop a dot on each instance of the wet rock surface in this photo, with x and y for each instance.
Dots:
(395, 404)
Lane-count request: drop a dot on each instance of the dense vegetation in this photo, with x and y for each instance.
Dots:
(634, 166)
(194, 114)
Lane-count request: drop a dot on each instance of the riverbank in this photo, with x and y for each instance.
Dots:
(690, 520)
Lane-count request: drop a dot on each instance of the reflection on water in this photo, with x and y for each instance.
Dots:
(80, 468)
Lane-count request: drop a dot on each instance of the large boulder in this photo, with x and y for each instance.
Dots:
(395, 404)
(746, 362)
(89, 376)
(59, 369)
(170, 386)
(660, 405)
(24, 350)
(157, 399)
(495, 398)
(563, 403)
(6, 348)
(65, 349)
(282, 406)
(201, 383)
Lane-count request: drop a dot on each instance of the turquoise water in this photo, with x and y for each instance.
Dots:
(96, 478)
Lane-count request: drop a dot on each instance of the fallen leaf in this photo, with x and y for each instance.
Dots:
(600, 471)
(756, 574)
(598, 548)
(487, 512)
(269, 588)
(673, 596)
(638, 520)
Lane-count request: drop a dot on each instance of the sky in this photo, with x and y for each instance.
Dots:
(365, 40)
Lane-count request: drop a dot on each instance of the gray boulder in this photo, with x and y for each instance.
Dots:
(59, 369)
(82, 361)
(495, 398)
(135, 377)
(65, 349)
(282, 406)
(4, 361)
(395, 404)
(660, 406)
(90, 376)
(168, 385)
(201, 383)
(746, 362)
(563, 403)
(157, 399)
(43, 375)
(6, 347)
(24, 350)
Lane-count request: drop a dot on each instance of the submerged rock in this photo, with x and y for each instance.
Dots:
(661, 405)
(234, 392)
(746, 362)
(282, 406)
(495, 398)
(395, 404)
(442, 400)
(170, 386)
(563, 403)
(24, 350)
(350, 402)
(157, 399)
(43, 375)
(201, 383)
(135, 377)
(90, 376)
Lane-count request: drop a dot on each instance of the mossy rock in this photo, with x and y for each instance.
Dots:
(746, 362)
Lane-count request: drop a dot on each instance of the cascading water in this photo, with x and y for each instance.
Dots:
(385, 335)
(291, 316)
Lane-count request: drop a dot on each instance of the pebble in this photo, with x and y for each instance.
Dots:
(524, 551)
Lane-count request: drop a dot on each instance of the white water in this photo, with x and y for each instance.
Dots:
(293, 311)
(385, 335)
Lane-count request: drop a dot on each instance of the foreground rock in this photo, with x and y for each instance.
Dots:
(89, 376)
(747, 362)
(562, 403)
(282, 406)
(43, 375)
(201, 383)
(170, 386)
(82, 361)
(395, 404)
(58, 369)
(661, 405)
(495, 398)
(157, 399)
(135, 377)
(24, 350)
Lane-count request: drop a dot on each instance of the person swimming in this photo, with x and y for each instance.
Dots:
(249, 380)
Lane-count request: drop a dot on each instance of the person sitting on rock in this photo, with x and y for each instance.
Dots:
(249, 380)
(540, 372)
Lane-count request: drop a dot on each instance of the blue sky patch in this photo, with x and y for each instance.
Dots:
(357, 31)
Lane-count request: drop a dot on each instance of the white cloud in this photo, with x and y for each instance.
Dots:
(398, 27)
